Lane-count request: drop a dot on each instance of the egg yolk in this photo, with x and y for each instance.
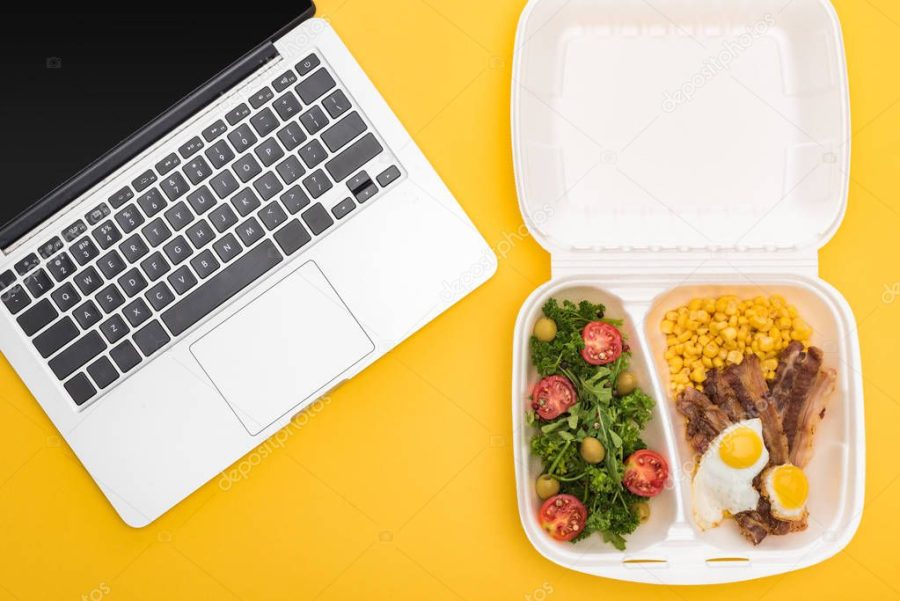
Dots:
(740, 448)
(791, 486)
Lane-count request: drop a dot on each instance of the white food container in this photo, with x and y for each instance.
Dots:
(668, 149)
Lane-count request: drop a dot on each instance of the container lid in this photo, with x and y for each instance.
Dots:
(681, 124)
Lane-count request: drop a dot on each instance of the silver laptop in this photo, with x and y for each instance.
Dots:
(185, 266)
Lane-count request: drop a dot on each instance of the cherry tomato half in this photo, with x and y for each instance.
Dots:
(563, 517)
(552, 397)
(602, 343)
(646, 473)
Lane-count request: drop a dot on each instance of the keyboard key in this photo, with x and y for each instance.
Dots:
(86, 314)
(286, 106)
(295, 199)
(308, 64)
(155, 266)
(250, 231)
(223, 218)
(343, 208)
(94, 217)
(65, 297)
(121, 197)
(317, 183)
(189, 148)
(261, 97)
(354, 157)
(51, 247)
(132, 282)
(38, 317)
(74, 230)
(246, 168)
(179, 216)
(292, 135)
(178, 250)
(38, 283)
(114, 329)
(388, 176)
(200, 234)
(61, 267)
(343, 132)
(314, 87)
(201, 200)
(245, 202)
(183, 279)
(317, 218)
(268, 185)
(27, 264)
(223, 184)
(219, 289)
(110, 299)
(15, 299)
(76, 356)
(125, 356)
(136, 312)
(313, 154)
(238, 113)
(84, 250)
(272, 215)
(358, 182)
(242, 138)
(336, 104)
(156, 232)
(134, 248)
(204, 264)
(130, 218)
(265, 122)
(269, 152)
(103, 372)
(292, 237)
(56, 336)
(111, 264)
(152, 202)
(151, 338)
(366, 193)
(314, 120)
(174, 187)
(88, 280)
(284, 81)
(214, 131)
(197, 170)
(219, 154)
(168, 163)
(144, 180)
(80, 389)
(290, 169)
(227, 248)
(106, 235)
(6, 279)
(160, 296)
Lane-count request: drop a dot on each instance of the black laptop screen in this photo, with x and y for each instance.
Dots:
(76, 83)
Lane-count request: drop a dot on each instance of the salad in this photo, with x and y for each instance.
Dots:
(597, 473)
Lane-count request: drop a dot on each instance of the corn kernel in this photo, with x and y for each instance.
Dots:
(735, 357)
(707, 362)
(710, 350)
(729, 333)
(698, 375)
(667, 326)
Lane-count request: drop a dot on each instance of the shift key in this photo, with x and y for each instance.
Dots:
(77, 355)
(351, 160)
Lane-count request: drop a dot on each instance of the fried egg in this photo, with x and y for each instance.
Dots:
(786, 488)
(723, 482)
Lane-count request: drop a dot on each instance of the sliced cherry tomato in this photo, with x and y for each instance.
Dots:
(563, 517)
(646, 473)
(552, 397)
(602, 343)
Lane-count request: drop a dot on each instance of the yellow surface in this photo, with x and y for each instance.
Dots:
(401, 487)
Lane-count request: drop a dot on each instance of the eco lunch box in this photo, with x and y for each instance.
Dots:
(670, 149)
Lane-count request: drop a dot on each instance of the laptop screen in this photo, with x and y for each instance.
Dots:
(78, 82)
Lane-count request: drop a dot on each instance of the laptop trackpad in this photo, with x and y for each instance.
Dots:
(283, 348)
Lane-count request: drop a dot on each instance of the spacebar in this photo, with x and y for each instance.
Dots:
(225, 284)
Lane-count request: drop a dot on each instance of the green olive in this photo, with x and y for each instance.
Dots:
(643, 511)
(545, 329)
(625, 383)
(546, 486)
(592, 450)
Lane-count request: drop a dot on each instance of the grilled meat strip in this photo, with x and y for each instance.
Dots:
(748, 383)
(704, 419)
(756, 525)
(720, 393)
(810, 414)
(797, 372)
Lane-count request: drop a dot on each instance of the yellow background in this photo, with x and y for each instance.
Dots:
(401, 485)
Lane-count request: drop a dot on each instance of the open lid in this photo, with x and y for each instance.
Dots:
(681, 124)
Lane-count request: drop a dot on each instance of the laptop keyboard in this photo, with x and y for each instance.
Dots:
(190, 233)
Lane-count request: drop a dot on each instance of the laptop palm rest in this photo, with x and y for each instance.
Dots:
(280, 350)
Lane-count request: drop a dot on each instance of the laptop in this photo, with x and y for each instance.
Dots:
(208, 222)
